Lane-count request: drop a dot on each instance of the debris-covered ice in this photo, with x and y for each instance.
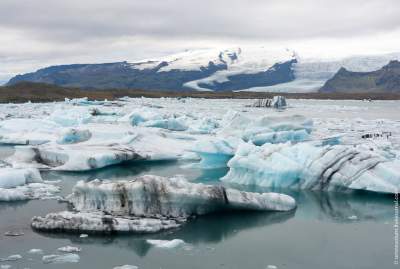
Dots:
(151, 204)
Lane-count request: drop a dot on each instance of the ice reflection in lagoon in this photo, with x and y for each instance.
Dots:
(327, 230)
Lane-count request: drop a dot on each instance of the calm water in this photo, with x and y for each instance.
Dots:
(319, 234)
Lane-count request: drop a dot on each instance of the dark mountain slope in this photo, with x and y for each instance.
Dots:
(386, 79)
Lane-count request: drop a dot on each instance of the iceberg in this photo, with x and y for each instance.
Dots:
(279, 101)
(215, 152)
(70, 116)
(147, 117)
(315, 167)
(26, 131)
(150, 204)
(24, 184)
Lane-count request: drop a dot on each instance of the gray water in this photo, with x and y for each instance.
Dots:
(319, 234)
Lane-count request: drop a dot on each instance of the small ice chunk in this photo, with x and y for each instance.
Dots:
(11, 258)
(83, 236)
(271, 266)
(166, 243)
(126, 266)
(353, 217)
(5, 266)
(13, 233)
(64, 258)
(73, 135)
(69, 249)
(35, 251)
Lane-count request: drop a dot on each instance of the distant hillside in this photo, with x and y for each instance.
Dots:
(386, 79)
(40, 92)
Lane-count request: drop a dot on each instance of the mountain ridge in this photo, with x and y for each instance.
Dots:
(386, 79)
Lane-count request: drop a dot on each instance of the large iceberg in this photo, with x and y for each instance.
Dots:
(142, 204)
(104, 148)
(217, 151)
(314, 166)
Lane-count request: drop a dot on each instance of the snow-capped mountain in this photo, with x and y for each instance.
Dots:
(235, 69)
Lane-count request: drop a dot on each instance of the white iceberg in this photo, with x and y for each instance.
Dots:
(312, 166)
(104, 148)
(24, 184)
(27, 131)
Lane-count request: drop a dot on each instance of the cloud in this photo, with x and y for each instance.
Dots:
(42, 32)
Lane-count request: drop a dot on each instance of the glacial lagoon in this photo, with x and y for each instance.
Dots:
(328, 229)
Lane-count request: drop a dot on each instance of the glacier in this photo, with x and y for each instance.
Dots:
(151, 204)
(314, 166)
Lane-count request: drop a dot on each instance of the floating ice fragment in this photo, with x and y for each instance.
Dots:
(11, 258)
(126, 267)
(353, 217)
(166, 243)
(83, 236)
(5, 266)
(64, 258)
(13, 233)
(35, 251)
(272, 266)
(69, 249)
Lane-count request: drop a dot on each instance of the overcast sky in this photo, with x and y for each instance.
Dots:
(37, 33)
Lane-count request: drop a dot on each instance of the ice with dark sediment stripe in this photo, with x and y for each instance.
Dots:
(313, 166)
(150, 204)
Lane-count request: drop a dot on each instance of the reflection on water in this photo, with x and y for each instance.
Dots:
(212, 228)
(320, 224)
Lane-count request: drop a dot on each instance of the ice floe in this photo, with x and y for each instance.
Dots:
(36, 251)
(69, 249)
(11, 258)
(174, 243)
(63, 258)
(126, 266)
